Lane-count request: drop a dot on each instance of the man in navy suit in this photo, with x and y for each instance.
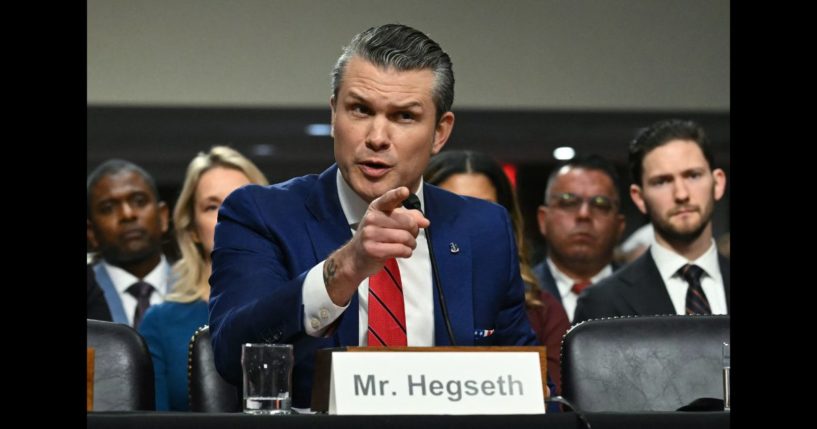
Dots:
(581, 224)
(292, 261)
(676, 184)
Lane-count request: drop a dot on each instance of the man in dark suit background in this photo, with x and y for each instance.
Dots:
(295, 262)
(676, 185)
(126, 223)
(581, 224)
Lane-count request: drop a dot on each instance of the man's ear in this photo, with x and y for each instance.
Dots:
(720, 183)
(442, 132)
(91, 235)
(164, 216)
(638, 198)
(622, 225)
(332, 107)
(541, 218)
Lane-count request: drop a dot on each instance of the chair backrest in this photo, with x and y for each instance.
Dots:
(652, 363)
(208, 391)
(123, 369)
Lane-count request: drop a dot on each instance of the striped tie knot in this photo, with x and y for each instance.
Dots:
(691, 273)
(696, 302)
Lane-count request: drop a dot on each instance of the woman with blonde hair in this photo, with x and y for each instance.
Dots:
(168, 327)
(477, 175)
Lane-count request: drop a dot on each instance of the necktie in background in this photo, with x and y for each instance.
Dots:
(141, 291)
(387, 314)
(578, 287)
(696, 298)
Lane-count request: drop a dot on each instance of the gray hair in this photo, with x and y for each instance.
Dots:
(404, 48)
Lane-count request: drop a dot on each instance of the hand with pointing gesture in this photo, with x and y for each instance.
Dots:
(387, 230)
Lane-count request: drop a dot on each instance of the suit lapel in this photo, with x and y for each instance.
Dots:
(328, 230)
(548, 281)
(454, 265)
(647, 293)
(111, 295)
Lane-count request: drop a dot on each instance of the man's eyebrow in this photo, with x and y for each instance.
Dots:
(103, 200)
(700, 169)
(356, 96)
(659, 176)
(407, 106)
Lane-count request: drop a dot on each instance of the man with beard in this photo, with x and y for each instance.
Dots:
(581, 224)
(676, 185)
(125, 225)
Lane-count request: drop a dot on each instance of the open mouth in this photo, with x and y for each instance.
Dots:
(374, 169)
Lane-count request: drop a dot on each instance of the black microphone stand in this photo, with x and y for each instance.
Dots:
(413, 203)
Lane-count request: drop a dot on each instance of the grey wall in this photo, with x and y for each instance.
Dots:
(516, 54)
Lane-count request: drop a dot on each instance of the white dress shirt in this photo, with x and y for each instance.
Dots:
(122, 280)
(565, 285)
(669, 262)
(415, 274)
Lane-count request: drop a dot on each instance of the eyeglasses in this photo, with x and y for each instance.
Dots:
(572, 203)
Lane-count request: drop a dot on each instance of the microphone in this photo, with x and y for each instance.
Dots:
(413, 203)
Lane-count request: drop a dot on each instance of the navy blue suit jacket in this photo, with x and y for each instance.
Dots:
(268, 238)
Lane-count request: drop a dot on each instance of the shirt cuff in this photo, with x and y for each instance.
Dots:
(319, 310)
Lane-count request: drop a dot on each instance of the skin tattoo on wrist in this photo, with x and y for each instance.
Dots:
(329, 269)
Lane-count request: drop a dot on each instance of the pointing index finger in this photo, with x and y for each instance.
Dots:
(391, 199)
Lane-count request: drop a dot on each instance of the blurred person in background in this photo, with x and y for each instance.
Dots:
(635, 245)
(126, 224)
(581, 223)
(168, 327)
(477, 175)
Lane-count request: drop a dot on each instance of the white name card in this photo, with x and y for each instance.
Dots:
(436, 383)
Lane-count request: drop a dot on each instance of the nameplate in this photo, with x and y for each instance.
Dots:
(436, 383)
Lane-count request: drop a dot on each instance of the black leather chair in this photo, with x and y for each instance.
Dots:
(653, 363)
(123, 369)
(208, 391)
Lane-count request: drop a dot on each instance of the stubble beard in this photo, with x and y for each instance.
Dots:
(684, 235)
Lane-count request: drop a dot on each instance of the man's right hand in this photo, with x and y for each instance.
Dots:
(387, 230)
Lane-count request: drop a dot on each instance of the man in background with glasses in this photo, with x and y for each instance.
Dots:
(581, 224)
(676, 184)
